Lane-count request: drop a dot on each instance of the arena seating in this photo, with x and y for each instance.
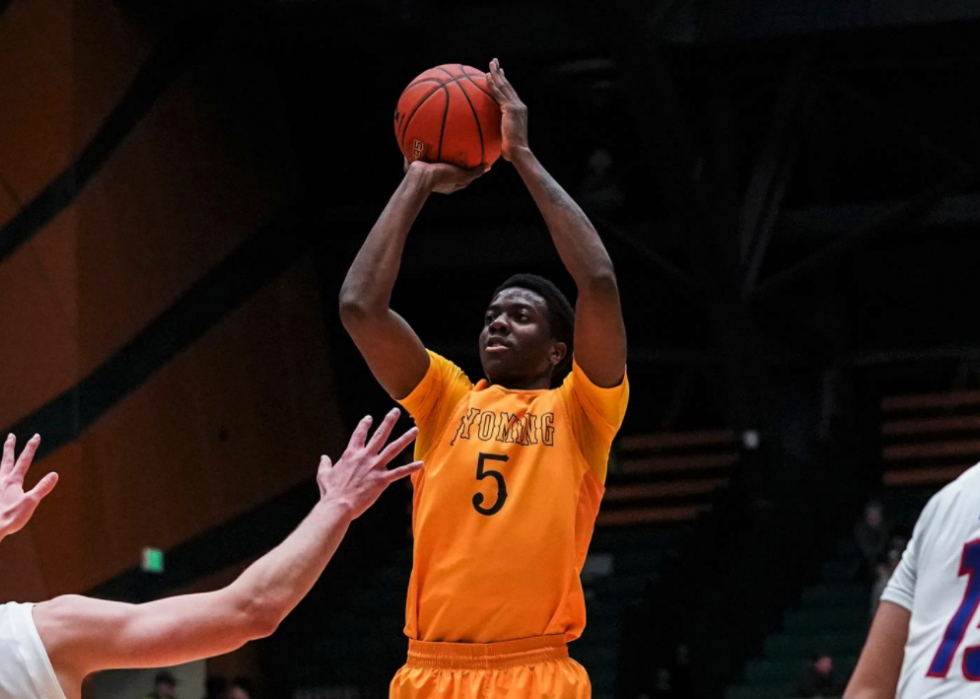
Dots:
(927, 441)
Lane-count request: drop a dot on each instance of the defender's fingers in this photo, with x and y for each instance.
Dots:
(325, 463)
(44, 487)
(26, 456)
(396, 474)
(360, 433)
(381, 434)
(7, 463)
(398, 446)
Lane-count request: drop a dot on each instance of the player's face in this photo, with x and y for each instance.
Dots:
(516, 346)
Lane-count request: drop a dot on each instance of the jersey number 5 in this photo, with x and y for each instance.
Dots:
(969, 565)
(482, 473)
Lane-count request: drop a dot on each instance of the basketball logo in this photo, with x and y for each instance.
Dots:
(419, 149)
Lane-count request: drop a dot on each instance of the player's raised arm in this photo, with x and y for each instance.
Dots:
(17, 506)
(600, 336)
(878, 669)
(391, 348)
(83, 635)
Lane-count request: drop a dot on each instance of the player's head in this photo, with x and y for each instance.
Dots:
(528, 330)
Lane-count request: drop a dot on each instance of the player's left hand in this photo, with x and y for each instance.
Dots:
(513, 125)
(16, 506)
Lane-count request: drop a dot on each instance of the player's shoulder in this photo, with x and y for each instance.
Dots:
(445, 370)
(966, 483)
(963, 492)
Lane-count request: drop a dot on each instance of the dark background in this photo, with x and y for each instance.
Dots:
(790, 201)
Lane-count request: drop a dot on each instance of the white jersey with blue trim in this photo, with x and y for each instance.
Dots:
(938, 580)
(25, 670)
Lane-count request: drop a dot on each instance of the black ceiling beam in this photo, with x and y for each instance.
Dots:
(699, 187)
(666, 269)
(766, 190)
(895, 218)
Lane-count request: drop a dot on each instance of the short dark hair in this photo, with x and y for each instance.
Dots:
(561, 315)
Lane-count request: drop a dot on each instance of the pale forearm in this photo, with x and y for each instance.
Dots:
(273, 585)
(880, 665)
(84, 635)
(578, 244)
(372, 276)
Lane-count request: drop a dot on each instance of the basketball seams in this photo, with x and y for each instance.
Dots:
(442, 130)
(418, 106)
(476, 118)
(469, 76)
(425, 80)
(443, 85)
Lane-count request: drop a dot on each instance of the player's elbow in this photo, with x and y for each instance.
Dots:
(260, 619)
(602, 281)
(355, 308)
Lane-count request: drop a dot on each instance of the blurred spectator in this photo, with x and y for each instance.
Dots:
(819, 680)
(884, 573)
(872, 536)
(682, 677)
(240, 688)
(214, 687)
(898, 542)
(164, 686)
(664, 687)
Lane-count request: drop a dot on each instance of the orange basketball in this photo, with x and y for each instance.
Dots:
(448, 115)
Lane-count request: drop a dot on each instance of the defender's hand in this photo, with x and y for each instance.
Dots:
(359, 478)
(16, 506)
(513, 125)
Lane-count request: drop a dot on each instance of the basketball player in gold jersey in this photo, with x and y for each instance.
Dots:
(505, 505)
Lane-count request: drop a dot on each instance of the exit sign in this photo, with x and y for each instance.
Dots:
(152, 560)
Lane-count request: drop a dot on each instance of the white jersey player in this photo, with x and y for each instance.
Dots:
(925, 639)
(46, 650)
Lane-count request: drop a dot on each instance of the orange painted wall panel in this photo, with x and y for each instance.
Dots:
(240, 417)
(201, 173)
(38, 352)
(63, 66)
(8, 205)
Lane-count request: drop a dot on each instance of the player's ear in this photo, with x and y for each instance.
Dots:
(558, 352)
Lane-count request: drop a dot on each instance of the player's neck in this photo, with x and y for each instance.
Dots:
(533, 383)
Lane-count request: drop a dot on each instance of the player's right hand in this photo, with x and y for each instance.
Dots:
(361, 474)
(16, 506)
(443, 177)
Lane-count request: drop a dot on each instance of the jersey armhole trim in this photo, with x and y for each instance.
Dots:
(441, 430)
(578, 445)
(52, 683)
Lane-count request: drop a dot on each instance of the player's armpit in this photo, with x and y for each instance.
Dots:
(392, 350)
(877, 672)
(83, 635)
